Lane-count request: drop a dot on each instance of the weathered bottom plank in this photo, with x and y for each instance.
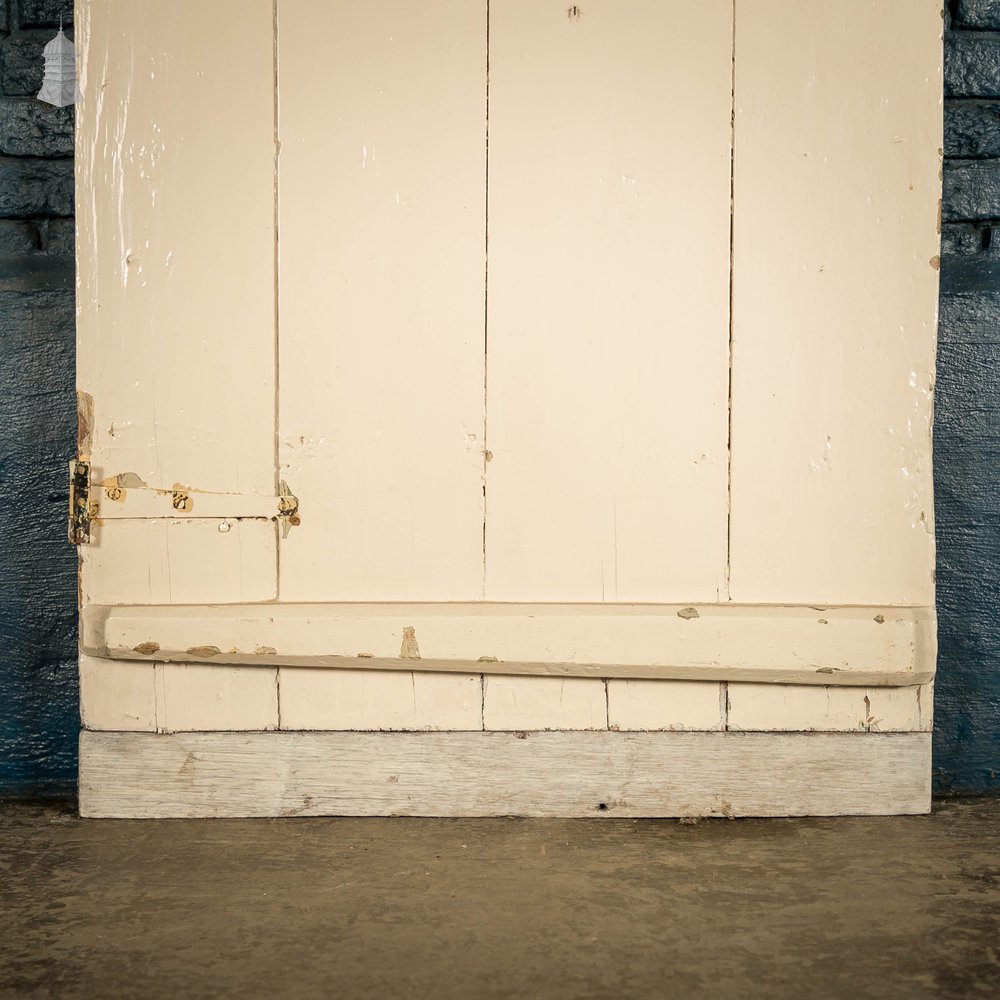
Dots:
(500, 774)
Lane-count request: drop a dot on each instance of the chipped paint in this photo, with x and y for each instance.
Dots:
(688, 613)
(204, 652)
(125, 481)
(84, 423)
(266, 651)
(146, 648)
(409, 650)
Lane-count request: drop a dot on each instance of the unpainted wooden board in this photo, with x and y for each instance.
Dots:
(497, 774)
(835, 276)
(382, 202)
(117, 695)
(883, 646)
(175, 248)
(379, 700)
(608, 318)
(673, 705)
(540, 703)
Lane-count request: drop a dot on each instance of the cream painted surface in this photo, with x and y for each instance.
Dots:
(126, 504)
(608, 309)
(598, 365)
(502, 774)
(926, 695)
(179, 562)
(837, 159)
(729, 642)
(763, 707)
(117, 695)
(382, 195)
(674, 705)
(379, 700)
(538, 703)
(175, 225)
(198, 696)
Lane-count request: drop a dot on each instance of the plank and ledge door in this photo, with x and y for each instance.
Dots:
(503, 300)
(622, 303)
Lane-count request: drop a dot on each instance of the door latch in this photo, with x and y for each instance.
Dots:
(127, 498)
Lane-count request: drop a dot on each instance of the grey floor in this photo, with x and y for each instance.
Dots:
(899, 907)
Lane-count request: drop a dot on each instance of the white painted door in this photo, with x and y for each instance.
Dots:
(590, 339)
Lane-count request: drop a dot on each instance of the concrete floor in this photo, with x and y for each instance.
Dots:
(901, 907)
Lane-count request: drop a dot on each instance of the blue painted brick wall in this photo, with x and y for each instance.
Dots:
(38, 689)
(967, 408)
(38, 686)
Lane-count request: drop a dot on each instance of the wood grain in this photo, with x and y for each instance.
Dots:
(382, 203)
(835, 257)
(881, 646)
(497, 774)
(175, 246)
(379, 700)
(608, 310)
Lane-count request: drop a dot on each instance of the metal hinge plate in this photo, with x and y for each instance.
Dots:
(126, 497)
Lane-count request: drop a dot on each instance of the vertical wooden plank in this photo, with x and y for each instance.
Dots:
(379, 700)
(807, 708)
(382, 192)
(176, 262)
(179, 562)
(117, 695)
(608, 247)
(665, 705)
(537, 703)
(837, 147)
(215, 697)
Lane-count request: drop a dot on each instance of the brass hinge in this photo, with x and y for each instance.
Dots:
(127, 498)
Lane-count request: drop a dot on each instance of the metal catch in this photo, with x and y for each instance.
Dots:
(79, 502)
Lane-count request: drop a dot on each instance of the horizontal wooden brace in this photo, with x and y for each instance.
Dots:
(595, 774)
(118, 503)
(879, 646)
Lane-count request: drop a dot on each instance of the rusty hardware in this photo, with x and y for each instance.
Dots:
(86, 509)
(80, 512)
(288, 509)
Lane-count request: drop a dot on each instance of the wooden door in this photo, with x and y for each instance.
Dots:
(508, 365)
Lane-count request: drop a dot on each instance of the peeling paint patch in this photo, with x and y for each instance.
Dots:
(409, 650)
(146, 648)
(936, 262)
(84, 423)
(266, 651)
(487, 659)
(688, 613)
(880, 619)
(204, 651)
(125, 481)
